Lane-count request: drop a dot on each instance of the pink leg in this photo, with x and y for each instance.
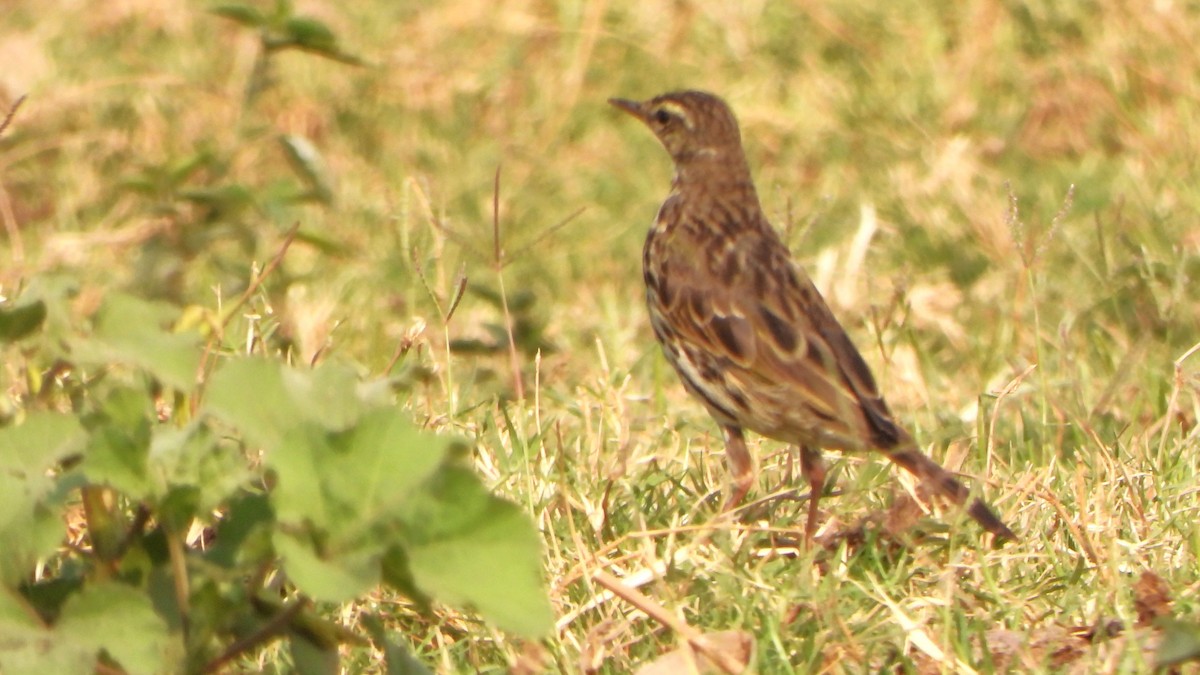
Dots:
(812, 466)
(741, 465)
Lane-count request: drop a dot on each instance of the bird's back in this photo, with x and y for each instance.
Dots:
(749, 332)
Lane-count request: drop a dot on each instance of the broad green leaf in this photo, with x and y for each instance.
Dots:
(349, 481)
(56, 292)
(177, 506)
(178, 171)
(115, 459)
(300, 495)
(30, 449)
(323, 242)
(30, 529)
(470, 548)
(44, 654)
(328, 394)
(28, 648)
(380, 463)
(130, 330)
(266, 400)
(243, 535)
(191, 457)
(120, 620)
(347, 487)
(250, 395)
(119, 446)
(16, 616)
(21, 320)
(339, 577)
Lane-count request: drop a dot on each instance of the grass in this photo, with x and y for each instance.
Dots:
(999, 199)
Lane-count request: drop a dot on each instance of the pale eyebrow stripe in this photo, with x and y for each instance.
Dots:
(677, 110)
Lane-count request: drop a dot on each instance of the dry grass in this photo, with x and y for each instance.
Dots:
(1036, 344)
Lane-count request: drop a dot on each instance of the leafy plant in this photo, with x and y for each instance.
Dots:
(210, 516)
(204, 205)
(279, 30)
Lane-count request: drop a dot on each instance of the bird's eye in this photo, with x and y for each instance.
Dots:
(662, 116)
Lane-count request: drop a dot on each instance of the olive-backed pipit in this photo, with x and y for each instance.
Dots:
(744, 326)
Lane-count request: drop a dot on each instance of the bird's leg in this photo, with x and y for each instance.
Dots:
(741, 465)
(812, 466)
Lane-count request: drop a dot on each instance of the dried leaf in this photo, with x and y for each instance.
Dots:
(735, 645)
(903, 514)
(1151, 598)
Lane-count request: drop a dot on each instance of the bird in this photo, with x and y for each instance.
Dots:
(744, 326)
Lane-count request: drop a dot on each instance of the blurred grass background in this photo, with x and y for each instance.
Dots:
(980, 188)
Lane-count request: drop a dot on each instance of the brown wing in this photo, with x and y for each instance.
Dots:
(750, 316)
(754, 339)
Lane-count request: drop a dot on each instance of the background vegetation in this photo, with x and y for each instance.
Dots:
(999, 198)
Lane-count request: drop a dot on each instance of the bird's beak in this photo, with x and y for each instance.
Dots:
(634, 108)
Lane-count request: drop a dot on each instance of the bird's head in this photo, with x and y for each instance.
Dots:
(696, 128)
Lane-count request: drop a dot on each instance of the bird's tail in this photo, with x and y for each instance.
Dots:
(930, 473)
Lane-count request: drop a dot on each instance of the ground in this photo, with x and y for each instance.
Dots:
(999, 200)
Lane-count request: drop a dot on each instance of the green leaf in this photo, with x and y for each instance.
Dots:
(129, 330)
(246, 15)
(1180, 642)
(28, 450)
(243, 535)
(41, 655)
(310, 658)
(21, 320)
(119, 446)
(191, 458)
(47, 596)
(310, 34)
(330, 394)
(348, 488)
(470, 548)
(266, 400)
(179, 505)
(397, 573)
(350, 480)
(313, 36)
(30, 528)
(396, 657)
(121, 621)
(354, 488)
(16, 617)
(27, 648)
(56, 292)
(381, 462)
(337, 577)
(250, 395)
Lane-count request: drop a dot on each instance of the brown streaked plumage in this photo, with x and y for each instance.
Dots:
(744, 326)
